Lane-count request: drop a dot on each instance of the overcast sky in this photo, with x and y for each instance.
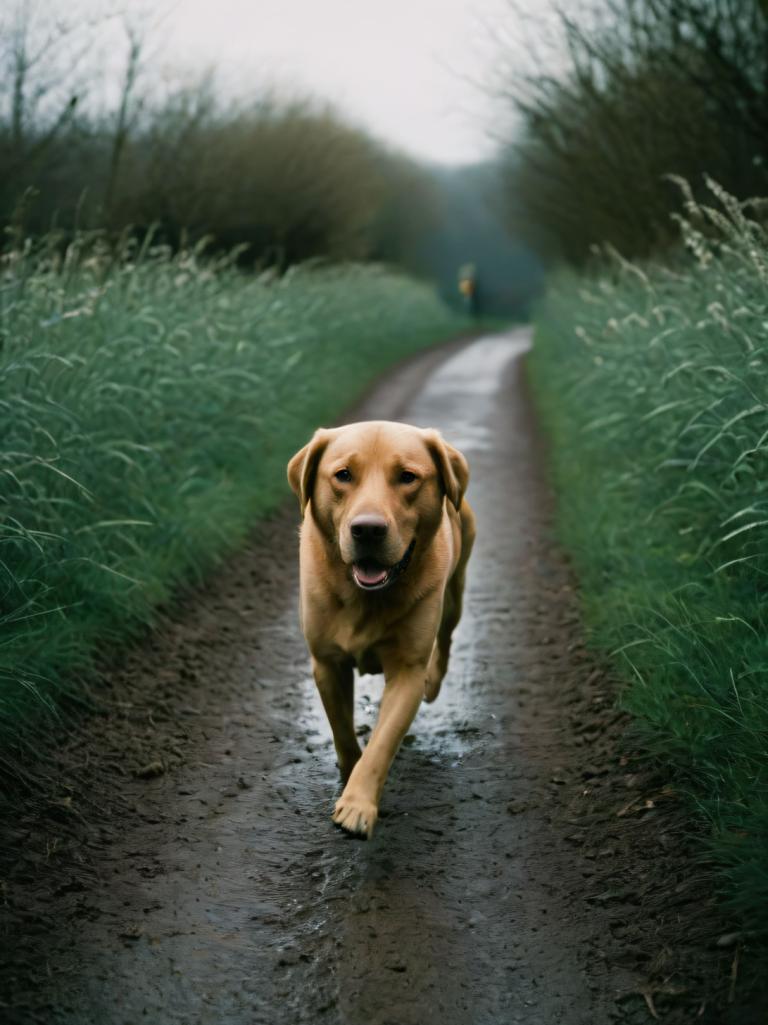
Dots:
(398, 67)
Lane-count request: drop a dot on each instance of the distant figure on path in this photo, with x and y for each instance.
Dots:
(468, 288)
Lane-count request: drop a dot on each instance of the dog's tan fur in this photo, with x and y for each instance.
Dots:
(404, 630)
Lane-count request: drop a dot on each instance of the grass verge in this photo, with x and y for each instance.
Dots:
(147, 409)
(653, 385)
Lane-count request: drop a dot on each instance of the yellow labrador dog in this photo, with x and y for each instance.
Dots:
(385, 540)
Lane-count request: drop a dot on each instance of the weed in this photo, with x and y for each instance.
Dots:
(654, 387)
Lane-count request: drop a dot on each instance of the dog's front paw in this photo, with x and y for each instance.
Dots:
(356, 814)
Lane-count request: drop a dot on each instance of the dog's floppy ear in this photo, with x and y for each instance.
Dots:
(303, 466)
(454, 471)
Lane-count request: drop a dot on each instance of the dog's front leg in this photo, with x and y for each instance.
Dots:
(336, 684)
(358, 807)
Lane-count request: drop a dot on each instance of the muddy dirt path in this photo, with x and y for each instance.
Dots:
(197, 877)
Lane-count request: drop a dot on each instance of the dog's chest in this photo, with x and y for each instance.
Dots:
(360, 641)
(368, 661)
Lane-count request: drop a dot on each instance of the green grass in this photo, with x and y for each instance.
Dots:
(147, 409)
(653, 385)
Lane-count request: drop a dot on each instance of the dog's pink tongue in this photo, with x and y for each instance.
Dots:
(369, 574)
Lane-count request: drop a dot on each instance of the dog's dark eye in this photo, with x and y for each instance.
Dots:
(406, 477)
(343, 475)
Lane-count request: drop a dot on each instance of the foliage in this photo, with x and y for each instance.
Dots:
(97, 133)
(646, 88)
(148, 405)
(287, 175)
(653, 383)
(289, 179)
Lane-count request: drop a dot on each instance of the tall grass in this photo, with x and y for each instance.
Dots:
(653, 382)
(147, 408)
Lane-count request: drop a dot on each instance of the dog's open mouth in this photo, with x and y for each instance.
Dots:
(371, 575)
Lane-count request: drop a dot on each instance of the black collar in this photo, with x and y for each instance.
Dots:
(400, 567)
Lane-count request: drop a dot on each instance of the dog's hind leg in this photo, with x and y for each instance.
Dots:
(438, 663)
(336, 683)
(452, 606)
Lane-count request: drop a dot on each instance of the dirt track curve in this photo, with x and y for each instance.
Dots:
(201, 879)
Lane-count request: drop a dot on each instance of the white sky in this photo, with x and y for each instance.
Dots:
(397, 67)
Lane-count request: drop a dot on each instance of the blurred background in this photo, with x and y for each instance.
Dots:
(498, 132)
(299, 131)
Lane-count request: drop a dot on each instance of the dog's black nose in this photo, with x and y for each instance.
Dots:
(368, 528)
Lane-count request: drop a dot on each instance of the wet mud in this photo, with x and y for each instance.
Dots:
(182, 866)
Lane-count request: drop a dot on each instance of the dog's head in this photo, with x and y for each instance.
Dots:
(376, 491)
